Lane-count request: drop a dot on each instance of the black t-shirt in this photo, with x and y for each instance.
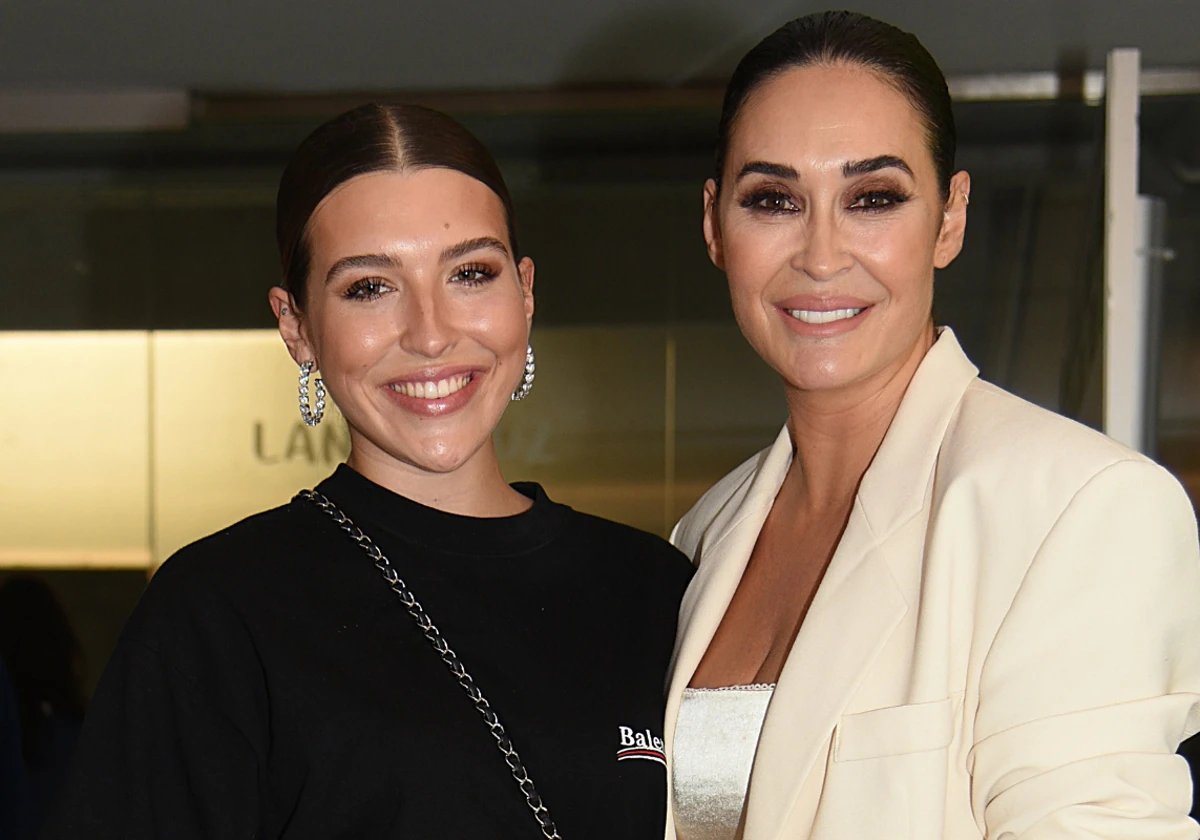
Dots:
(270, 684)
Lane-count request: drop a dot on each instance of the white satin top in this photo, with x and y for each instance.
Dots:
(715, 741)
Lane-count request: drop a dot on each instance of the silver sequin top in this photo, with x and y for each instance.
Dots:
(715, 740)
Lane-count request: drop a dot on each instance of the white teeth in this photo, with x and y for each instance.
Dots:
(432, 390)
(810, 316)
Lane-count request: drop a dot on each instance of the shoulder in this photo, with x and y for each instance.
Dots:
(219, 577)
(993, 423)
(629, 552)
(1005, 450)
(609, 535)
(226, 551)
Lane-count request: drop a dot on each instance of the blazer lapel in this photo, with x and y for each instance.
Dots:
(857, 608)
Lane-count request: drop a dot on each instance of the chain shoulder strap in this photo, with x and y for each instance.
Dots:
(426, 626)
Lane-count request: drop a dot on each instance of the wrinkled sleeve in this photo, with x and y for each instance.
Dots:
(160, 755)
(1093, 677)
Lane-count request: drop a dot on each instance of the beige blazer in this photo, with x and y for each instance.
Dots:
(1006, 643)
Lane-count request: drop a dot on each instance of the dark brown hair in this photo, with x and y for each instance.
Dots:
(372, 138)
(849, 38)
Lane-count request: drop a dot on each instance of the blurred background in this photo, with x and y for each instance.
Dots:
(146, 401)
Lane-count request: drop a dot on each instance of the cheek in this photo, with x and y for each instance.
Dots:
(899, 257)
(753, 256)
(350, 342)
(500, 324)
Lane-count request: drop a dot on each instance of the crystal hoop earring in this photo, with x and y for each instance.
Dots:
(311, 416)
(527, 378)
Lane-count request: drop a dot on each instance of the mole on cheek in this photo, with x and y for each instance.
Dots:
(446, 226)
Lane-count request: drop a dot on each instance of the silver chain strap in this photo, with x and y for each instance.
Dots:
(414, 608)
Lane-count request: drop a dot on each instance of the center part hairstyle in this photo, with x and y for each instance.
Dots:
(372, 138)
(849, 38)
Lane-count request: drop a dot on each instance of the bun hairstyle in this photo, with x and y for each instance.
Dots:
(832, 38)
(372, 138)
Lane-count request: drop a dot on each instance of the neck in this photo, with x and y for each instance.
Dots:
(835, 434)
(476, 488)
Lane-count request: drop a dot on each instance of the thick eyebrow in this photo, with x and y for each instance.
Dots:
(360, 261)
(854, 168)
(850, 169)
(480, 243)
(774, 170)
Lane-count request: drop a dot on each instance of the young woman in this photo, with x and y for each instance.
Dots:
(930, 610)
(477, 661)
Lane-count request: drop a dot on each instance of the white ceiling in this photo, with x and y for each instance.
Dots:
(267, 46)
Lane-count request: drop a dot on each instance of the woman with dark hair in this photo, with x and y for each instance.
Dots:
(416, 648)
(930, 609)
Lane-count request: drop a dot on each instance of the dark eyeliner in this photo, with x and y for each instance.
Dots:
(365, 289)
(754, 201)
(892, 198)
(482, 274)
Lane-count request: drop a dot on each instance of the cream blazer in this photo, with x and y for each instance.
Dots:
(1006, 643)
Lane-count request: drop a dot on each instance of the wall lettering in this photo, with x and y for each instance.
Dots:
(327, 444)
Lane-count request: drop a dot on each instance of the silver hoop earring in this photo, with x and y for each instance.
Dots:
(311, 416)
(527, 378)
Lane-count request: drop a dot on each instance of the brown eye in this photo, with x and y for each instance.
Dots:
(769, 201)
(878, 200)
(365, 289)
(474, 275)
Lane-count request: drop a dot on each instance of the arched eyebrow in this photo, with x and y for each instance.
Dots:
(380, 261)
(773, 170)
(479, 243)
(385, 262)
(850, 169)
(854, 168)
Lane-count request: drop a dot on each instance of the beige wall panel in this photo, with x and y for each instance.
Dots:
(229, 441)
(74, 455)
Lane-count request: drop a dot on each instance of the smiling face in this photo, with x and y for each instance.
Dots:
(829, 224)
(417, 317)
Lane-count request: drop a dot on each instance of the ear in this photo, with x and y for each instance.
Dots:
(712, 227)
(525, 269)
(954, 221)
(292, 328)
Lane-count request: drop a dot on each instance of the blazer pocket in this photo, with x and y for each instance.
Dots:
(896, 730)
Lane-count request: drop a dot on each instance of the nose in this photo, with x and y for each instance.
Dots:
(424, 327)
(821, 251)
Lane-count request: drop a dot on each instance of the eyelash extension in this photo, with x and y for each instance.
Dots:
(755, 201)
(894, 199)
(475, 275)
(365, 289)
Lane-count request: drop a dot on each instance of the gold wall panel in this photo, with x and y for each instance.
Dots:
(228, 439)
(117, 449)
(74, 460)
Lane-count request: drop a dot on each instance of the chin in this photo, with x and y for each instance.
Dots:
(441, 461)
(817, 372)
(442, 467)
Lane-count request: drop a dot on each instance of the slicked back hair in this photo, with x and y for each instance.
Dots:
(372, 138)
(840, 37)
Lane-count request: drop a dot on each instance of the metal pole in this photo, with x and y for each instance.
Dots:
(1125, 300)
(1152, 253)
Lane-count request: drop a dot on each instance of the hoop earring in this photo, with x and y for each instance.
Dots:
(527, 380)
(311, 416)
